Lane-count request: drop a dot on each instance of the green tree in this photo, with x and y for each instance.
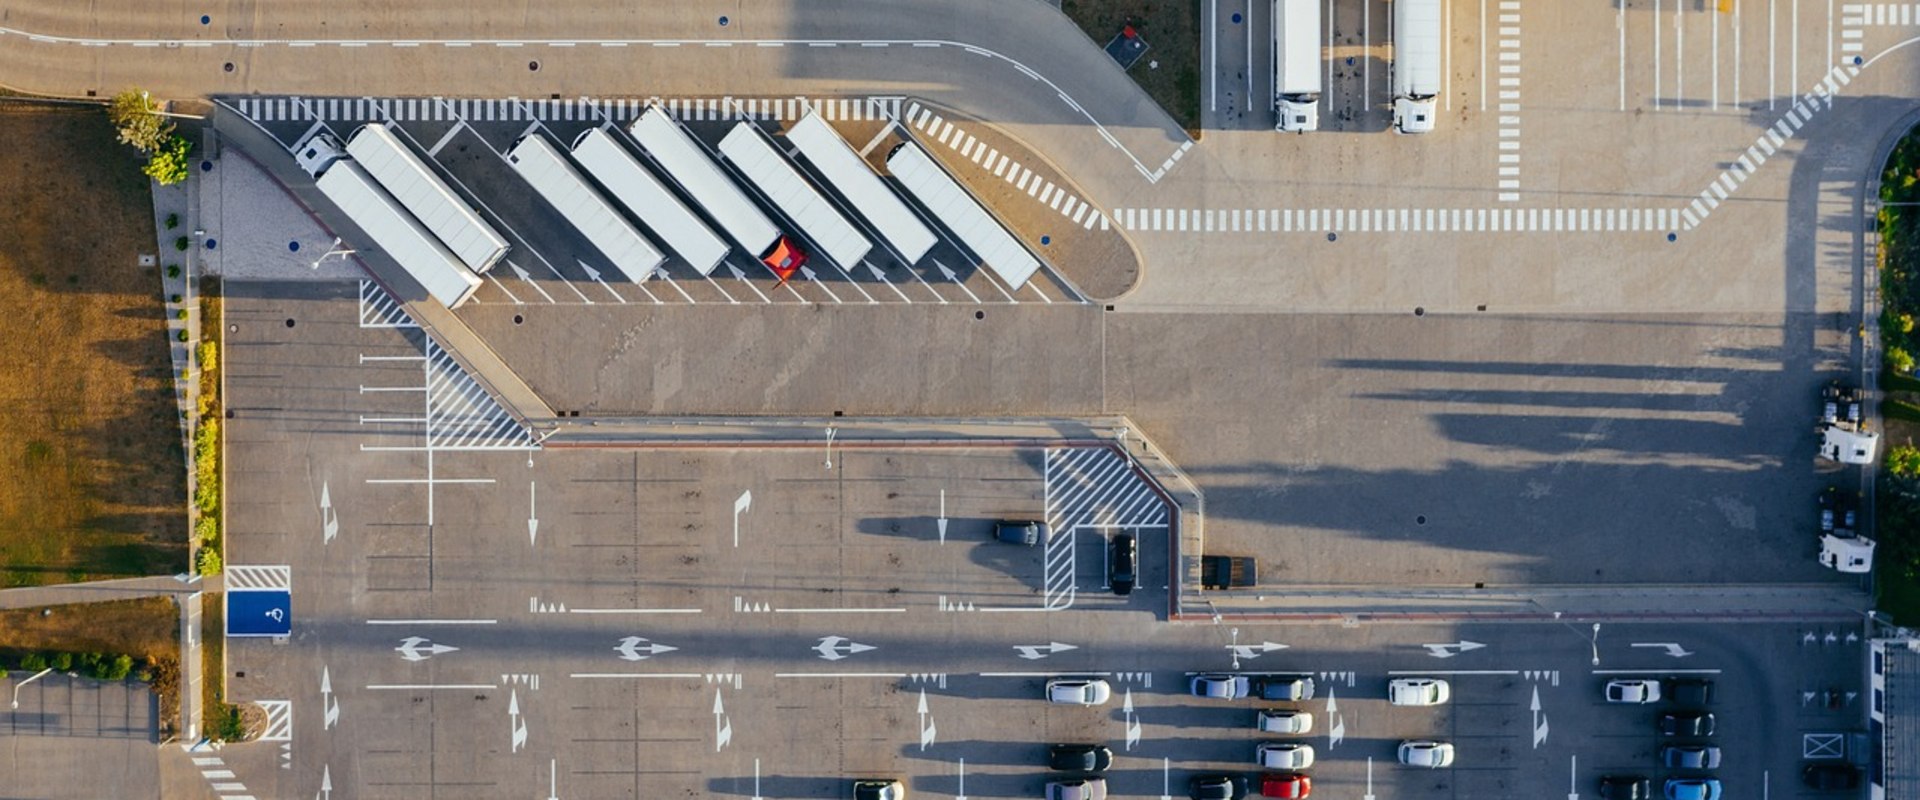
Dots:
(169, 162)
(1900, 360)
(1903, 461)
(137, 118)
(209, 561)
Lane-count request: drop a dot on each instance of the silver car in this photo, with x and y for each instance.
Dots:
(1078, 691)
(1287, 721)
(1078, 789)
(1221, 687)
(1283, 755)
(1426, 753)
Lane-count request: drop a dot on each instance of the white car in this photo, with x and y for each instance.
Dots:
(1283, 755)
(1078, 691)
(1426, 753)
(1633, 690)
(1280, 720)
(1418, 691)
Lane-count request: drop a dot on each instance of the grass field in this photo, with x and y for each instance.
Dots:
(90, 447)
(1170, 71)
(145, 628)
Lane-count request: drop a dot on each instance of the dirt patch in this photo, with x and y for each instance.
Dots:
(1170, 69)
(90, 446)
(145, 628)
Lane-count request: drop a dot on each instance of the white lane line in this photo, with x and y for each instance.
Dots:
(432, 621)
(1656, 55)
(1213, 55)
(1772, 51)
(634, 610)
(840, 675)
(839, 611)
(1453, 672)
(668, 675)
(397, 687)
(1651, 670)
(1044, 674)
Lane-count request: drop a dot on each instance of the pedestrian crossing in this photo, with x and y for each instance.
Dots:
(937, 129)
(1768, 142)
(577, 109)
(1509, 102)
(1397, 220)
(1883, 14)
(222, 780)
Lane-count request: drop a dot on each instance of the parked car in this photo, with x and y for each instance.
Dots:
(1686, 723)
(1283, 755)
(1078, 789)
(1690, 692)
(1291, 785)
(1286, 687)
(1426, 753)
(1625, 787)
(1831, 777)
(1693, 789)
(1217, 787)
(1633, 690)
(1690, 756)
(879, 790)
(1418, 691)
(1079, 691)
(1016, 531)
(1285, 721)
(1121, 564)
(1220, 686)
(1079, 757)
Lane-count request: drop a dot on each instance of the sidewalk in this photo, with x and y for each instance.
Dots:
(102, 591)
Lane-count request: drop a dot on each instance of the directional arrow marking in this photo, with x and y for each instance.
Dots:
(595, 275)
(411, 650)
(327, 702)
(941, 521)
(1254, 650)
(741, 505)
(533, 521)
(1133, 723)
(722, 727)
(522, 274)
(834, 648)
(515, 725)
(1032, 652)
(926, 725)
(1673, 648)
(1452, 649)
(329, 521)
(326, 782)
(1539, 720)
(634, 648)
(1337, 729)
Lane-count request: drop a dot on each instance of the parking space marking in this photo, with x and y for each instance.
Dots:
(1509, 107)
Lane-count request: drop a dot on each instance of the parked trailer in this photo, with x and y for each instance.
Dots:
(1417, 76)
(397, 233)
(1296, 64)
(750, 151)
(951, 204)
(844, 169)
(649, 200)
(546, 169)
(422, 192)
(688, 165)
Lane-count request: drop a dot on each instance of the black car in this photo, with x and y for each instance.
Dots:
(1693, 692)
(1831, 776)
(1285, 687)
(1686, 723)
(1626, 787)
(1217, 787)
(1079, 757)
(1121, 566)
(1020, 531)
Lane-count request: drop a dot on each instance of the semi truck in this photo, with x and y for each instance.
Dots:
(1418, 78)
(1296, 65)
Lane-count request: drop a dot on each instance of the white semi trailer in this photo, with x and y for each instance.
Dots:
(1296, 64)
(1418, 78)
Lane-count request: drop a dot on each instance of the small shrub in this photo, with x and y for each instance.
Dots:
(180, 244)
(182, 335)
(168, 165)
(173, 270)
(89, 660)
(1903, 461)
(173, 221)
(174, 299)
(226, 724)
(209, 356)
(33, 662)
(208, 561)
(145, 675)
(181, 315)
(117, 669)
(1900, 360)
(206, 529)
(61, 662)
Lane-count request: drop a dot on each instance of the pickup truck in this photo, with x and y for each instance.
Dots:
(1227, 572)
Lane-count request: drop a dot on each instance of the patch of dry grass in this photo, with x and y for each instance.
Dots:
(93, 484)
(1172, 31)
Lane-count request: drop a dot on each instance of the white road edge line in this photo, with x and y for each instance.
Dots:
(432, 621)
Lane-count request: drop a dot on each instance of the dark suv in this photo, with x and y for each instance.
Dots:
(1691, 692)
(1686, 723)
(1123, 562)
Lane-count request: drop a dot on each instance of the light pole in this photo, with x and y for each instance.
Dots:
(830, 433)
(16, 687)
(1595, 642)
(333, 250)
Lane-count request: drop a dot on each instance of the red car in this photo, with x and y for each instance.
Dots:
(1286, 784)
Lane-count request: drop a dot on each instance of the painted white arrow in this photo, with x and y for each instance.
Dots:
(411, 649)
(533, 517)
(722, 727)
(595, 275)
(1452, 649)
(831, 647)
(1133, 723)
(1673, 648)
(1166, 779)
(329, 521)
(522, 274)
(632, 649)
(741, 505)
(326, 782)
(515, 725)
(1033, 652)
(1254, 650)
(327, 702)
(815, 279)
(1539, 720)
(1337, 727)
(941, 522)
